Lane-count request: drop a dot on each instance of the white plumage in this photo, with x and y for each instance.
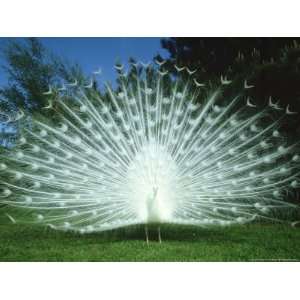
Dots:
(157, 150)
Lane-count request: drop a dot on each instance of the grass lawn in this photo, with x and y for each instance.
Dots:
(254, 242)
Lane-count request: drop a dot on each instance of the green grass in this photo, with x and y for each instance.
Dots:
(252, 242)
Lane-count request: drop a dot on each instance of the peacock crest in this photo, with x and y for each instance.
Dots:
(156, 149)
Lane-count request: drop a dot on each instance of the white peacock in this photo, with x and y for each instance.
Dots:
(158, 150)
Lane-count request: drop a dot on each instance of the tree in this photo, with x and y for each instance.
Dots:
(216, 55)
(31, 69)
(272, 65)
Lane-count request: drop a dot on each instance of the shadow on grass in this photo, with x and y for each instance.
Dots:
(169, 233)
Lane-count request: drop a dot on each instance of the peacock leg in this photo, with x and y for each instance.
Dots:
(146, 233)
(159, 236)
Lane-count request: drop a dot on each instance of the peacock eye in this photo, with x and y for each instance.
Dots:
(7, 192)
(216, 108)
(263, 144)
(67, 225)
(88, 125)
(36, 184)
(250, 155)
(83, 108)
(253, 128)
(69, 155)
(231, 151)
(148, 91)
(267, 159)
(22, 140)
(35, 166)
(294, 184)
(63, 127)
(43, 133)
(19, 154)
(77, 140)
(233, 122)
(179, 95)
(18, 176)
(40, 217)
(36, 149)
(28, 199)
(74, 213)
(222, 135)
(3, 166)
(276, 133)
(56, 144)
(282, 150)
(252, 173)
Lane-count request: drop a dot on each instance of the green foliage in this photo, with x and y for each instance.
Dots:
(215, 56)
(29, 73)
(31, 69)
(272, 65)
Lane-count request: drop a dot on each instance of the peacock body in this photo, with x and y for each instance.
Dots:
(156, 150)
